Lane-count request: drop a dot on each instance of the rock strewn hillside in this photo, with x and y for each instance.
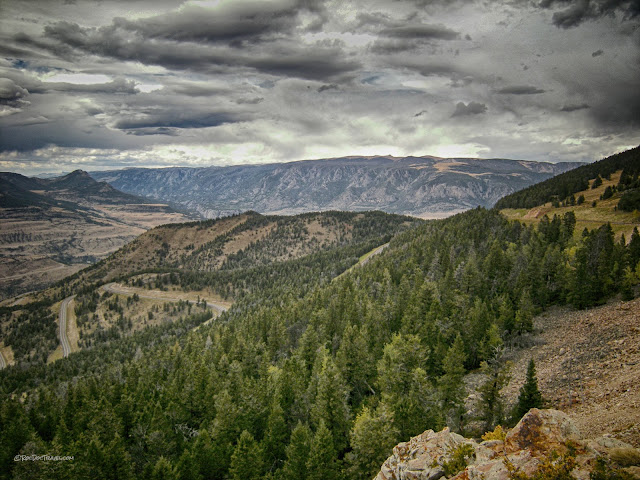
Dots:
(421, 186)
(588, 364)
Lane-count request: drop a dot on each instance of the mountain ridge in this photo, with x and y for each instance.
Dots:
(420, 186)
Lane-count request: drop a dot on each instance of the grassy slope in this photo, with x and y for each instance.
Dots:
(587, 216)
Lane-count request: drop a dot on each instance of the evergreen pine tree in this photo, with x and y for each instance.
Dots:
(530, 397)
(372, 439)
(246, 461)
(275, 439)
(163, 470)
(450, 385)
(297, 451)
(491, 403)
(322, 463)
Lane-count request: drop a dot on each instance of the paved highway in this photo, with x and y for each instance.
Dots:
(64, 340)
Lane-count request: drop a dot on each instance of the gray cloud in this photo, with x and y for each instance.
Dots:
(472, 108)
(573, 108)
(579, 11)
(318, 61)
(233, 22)
(520, 90)
(176, 119)
(10, 93)
(118, 85)
(324, 88)
(389, 46)
(248, 81)
(423, 32)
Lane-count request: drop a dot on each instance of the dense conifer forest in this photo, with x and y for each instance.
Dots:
(311, 375)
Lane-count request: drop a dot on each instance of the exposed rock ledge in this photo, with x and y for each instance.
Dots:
(538, 433)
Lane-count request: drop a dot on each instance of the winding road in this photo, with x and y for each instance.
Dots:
(64, 340)
(115, 288)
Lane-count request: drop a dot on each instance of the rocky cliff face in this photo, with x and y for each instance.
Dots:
(423, 186)
(541, 438)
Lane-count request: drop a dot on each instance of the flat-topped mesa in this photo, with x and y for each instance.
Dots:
(538, 437)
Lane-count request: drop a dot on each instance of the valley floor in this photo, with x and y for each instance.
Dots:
(588, 365)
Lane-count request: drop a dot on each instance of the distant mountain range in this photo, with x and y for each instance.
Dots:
(422, 186)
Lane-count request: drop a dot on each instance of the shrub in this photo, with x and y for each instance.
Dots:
(625, 457)
(460, 457)
(497, 434)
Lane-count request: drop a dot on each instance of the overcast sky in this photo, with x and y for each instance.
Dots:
(117, 83)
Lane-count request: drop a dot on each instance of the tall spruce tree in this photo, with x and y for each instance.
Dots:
(530, 396)
(295, 466)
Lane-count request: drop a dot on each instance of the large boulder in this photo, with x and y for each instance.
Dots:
(530, 443)
(542, 431)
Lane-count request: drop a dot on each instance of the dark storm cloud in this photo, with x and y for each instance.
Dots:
(331, 86)
(177, 119)
(520, 90)
(619, 108)
(573, 108)
(232, 23)
(472, 108)
(580, 11)
(318, 61)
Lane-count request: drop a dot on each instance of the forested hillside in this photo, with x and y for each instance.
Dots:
(311, 378)
(229, 258)
(247, 240)
(562, 187)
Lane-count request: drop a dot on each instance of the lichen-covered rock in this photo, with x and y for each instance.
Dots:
(525, 448)
(542, 431)
(421, 458)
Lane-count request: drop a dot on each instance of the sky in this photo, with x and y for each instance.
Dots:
(106, 84)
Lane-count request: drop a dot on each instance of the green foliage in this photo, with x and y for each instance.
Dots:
(530, 396)
(553, 467)
(459, 460)
(372, 439)
(497, 377)
(597, 182)
(497, 434)
(246, 460)
(603, 470)
(297, 453)
(322, 463)
(450, 385)
(630, 200)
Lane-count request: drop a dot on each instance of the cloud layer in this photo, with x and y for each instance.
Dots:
(92, 85)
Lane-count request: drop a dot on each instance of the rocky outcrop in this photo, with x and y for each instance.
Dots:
(532, 442)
